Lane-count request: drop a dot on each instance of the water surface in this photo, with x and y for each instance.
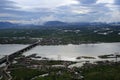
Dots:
(64, 51)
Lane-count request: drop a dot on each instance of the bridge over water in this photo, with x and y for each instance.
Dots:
(20, 52)
(9, 58)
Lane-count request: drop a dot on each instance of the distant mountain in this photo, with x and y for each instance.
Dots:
(4, 25)
(59, 23)
(115, 23)
(55, 23)
(7, 25)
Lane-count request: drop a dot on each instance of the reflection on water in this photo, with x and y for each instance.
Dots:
(65, 51)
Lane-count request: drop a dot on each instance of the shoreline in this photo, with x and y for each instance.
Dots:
(56, 44)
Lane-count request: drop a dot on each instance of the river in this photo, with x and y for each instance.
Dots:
(67, 52)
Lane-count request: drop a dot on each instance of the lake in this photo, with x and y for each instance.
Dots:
(67, 52)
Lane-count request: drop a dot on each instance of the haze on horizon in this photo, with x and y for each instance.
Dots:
(39, 11)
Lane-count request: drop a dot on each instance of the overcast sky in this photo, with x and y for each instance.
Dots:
(39, 11)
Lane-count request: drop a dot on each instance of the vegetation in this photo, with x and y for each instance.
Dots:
(102, 72)
(85, 57)
(96, 72)
(64, 76)
(61, 35)
(34, 74)
(25, 73)
(109, 56)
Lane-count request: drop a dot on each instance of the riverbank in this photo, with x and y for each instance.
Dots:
(49, 42)
(105, 70)
(41, 68)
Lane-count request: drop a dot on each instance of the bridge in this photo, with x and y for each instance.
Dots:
(9, 58)
(20, 52)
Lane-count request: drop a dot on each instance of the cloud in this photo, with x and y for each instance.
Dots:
(113, 17)
(87, 1)
(39, 11)
(117, 2)
(32, 4)
(105, 1)
(9, 15)
(81, 11)
(6, 4)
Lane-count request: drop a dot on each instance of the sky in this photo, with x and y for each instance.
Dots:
(40, 11)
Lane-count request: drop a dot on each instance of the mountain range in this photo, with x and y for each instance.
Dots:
(55, 23)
